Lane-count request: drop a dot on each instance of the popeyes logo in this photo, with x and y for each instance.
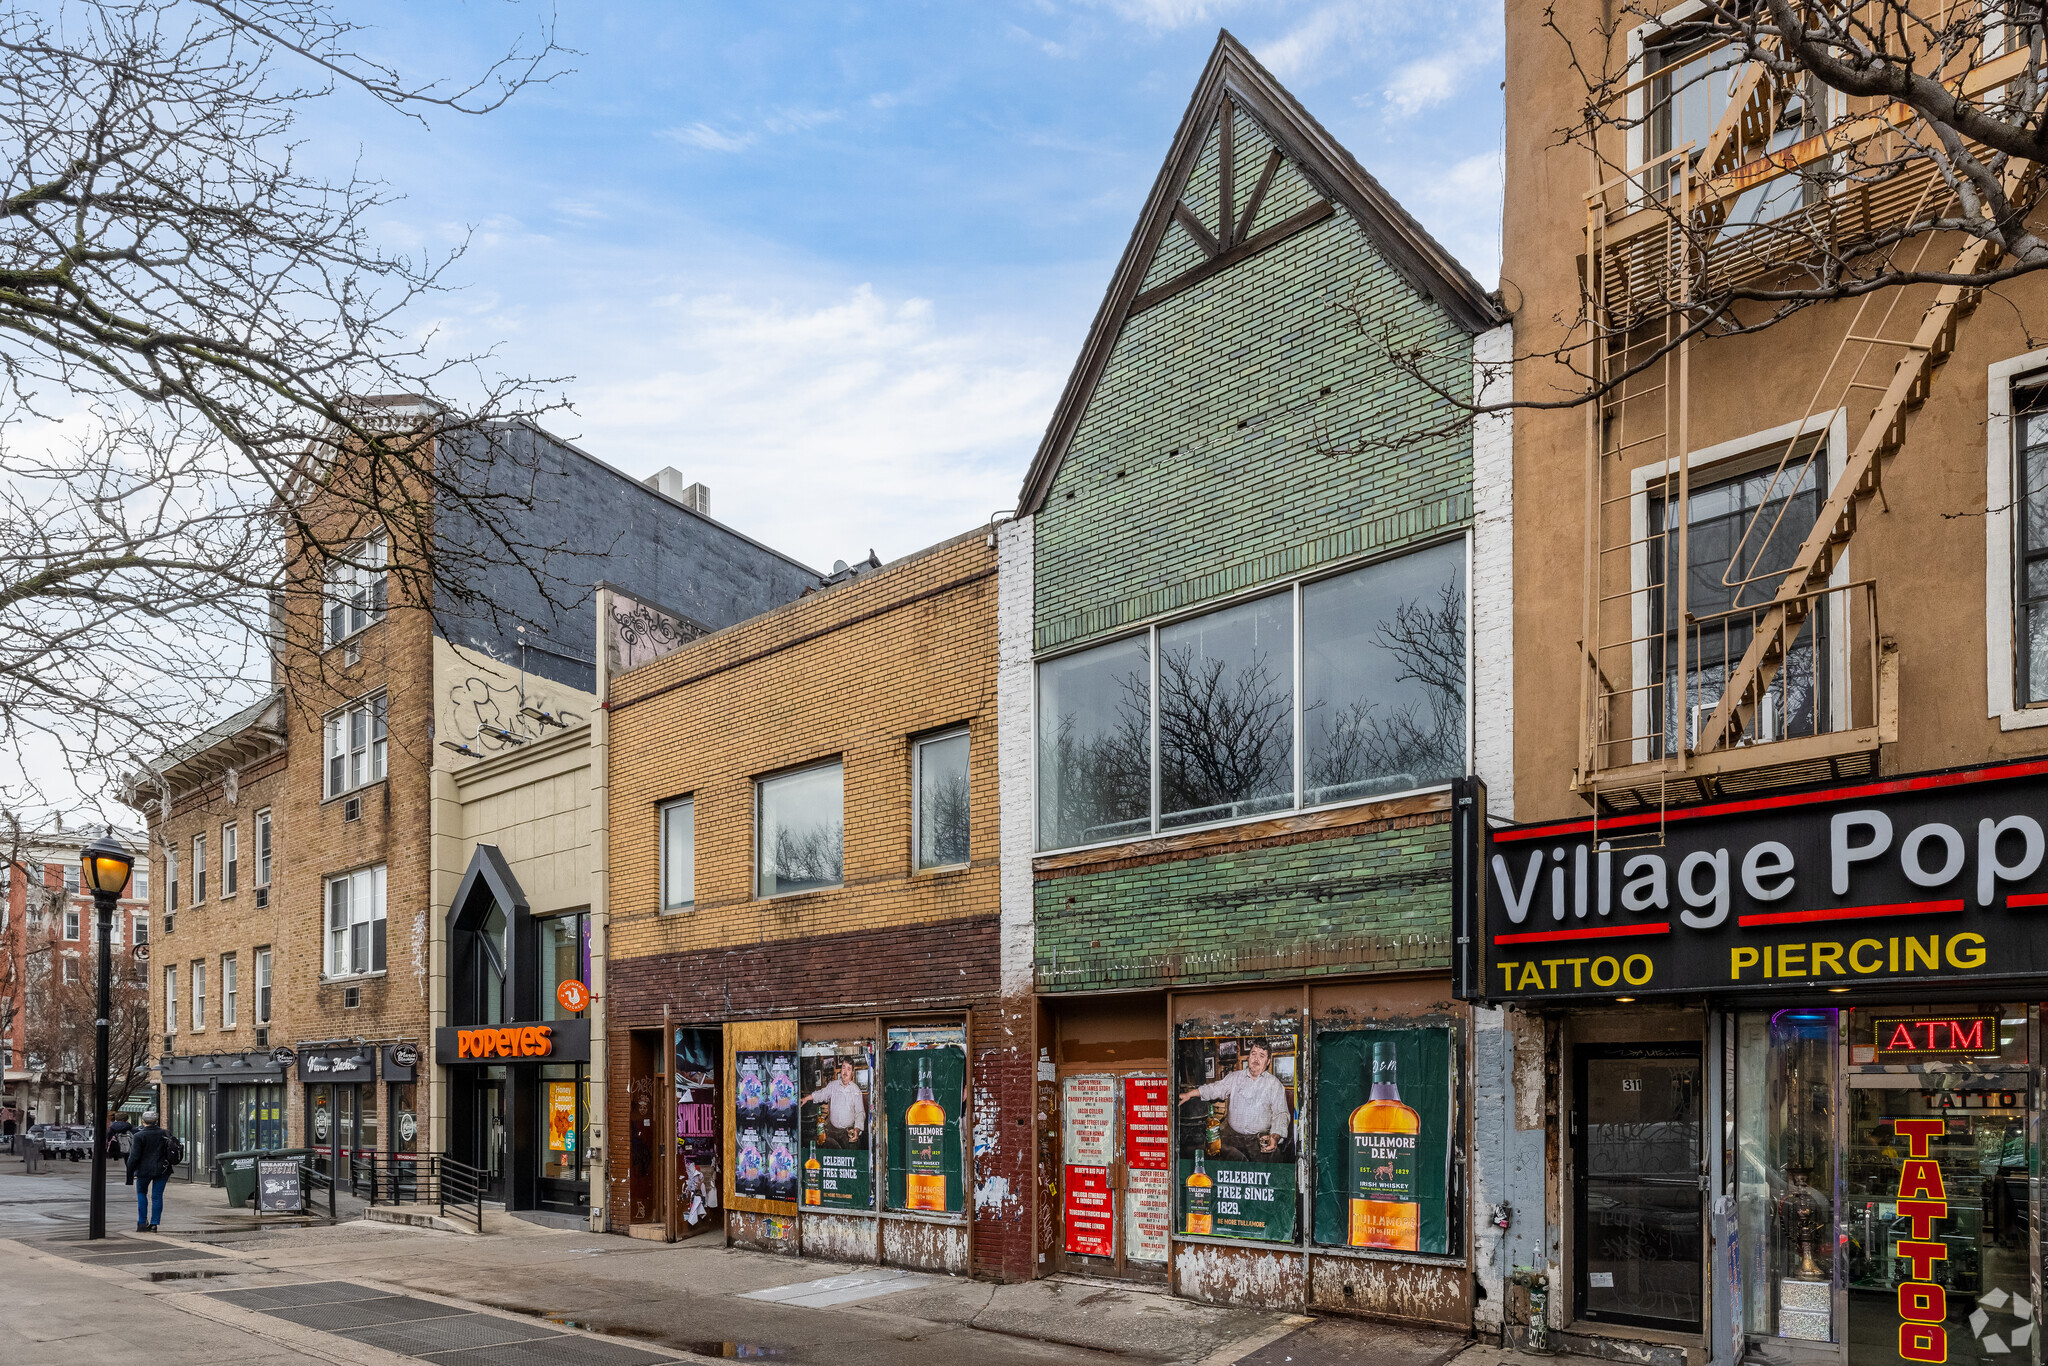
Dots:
(527, 1041)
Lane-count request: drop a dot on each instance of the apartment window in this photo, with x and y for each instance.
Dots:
(355, 745)
(1691, 77)
(1742, 534)
(263, 986)
(355, 922)
(138, 885)
(71, 878)
(679, 854)
(356, 588)
(228, 987)
(2031, 423)
(263, 848)
(230, 859)
(198, 995)
(71, 920)
(70, 971)
(1201, 720)
(171, 999)
(799, 830)
(198, 869)
(939, 773)
(171, 889)
(142, 927)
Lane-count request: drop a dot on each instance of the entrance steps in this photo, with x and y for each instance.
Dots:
(418, 1216)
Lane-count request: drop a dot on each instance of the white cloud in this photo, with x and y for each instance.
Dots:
(1438, 77)
(708, 139)
(1460, 205)
(1164, 14)
(1329, 34)
(798, 120)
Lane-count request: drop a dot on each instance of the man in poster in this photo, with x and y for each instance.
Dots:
(1259, 1117)
(846, 1109)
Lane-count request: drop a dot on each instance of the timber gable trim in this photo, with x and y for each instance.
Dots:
(1234, 80)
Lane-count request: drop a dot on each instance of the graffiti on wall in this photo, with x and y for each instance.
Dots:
(639, 633)
(492, 716)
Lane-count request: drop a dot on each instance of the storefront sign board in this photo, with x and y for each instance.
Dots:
(1931, 878)
(1091, 1217)
(277, 1186)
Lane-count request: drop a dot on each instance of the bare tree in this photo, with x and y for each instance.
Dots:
(1758, 158)
(195, 329)
(1226, 735)
(1368, 744)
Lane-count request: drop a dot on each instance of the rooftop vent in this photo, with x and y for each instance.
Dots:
(668, 482)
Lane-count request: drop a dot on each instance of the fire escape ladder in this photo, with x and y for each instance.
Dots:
(1778, 626)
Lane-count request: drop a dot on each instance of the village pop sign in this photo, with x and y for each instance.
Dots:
(1937, 877)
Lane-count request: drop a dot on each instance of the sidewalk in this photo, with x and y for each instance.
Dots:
(608, 1301)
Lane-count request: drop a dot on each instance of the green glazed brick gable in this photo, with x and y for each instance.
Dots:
(1376, 902)
(1210, 460)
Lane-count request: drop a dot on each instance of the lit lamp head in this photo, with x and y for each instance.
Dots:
(104, 866)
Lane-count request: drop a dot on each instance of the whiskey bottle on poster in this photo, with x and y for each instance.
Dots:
(1213, 1134)
(925, 1121)
(1384, 1131)
(1201, 1199)
(814, 1180)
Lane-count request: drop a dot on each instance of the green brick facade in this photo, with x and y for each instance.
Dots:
(1246, 431)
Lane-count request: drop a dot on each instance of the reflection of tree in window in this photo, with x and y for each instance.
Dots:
(942, 802)
(1384, 677)
(1095, 745)
(801, 831)
(1226, 713)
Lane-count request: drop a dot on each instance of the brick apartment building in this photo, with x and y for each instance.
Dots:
(805, 932)
(48, 965)
(1243, 701)
(339, 793)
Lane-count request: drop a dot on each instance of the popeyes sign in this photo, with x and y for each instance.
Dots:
(1928, 878)
(524, 1041)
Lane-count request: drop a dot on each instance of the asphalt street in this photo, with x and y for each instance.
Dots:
(215, 1286)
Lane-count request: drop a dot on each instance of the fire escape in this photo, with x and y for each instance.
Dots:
(1777, 673)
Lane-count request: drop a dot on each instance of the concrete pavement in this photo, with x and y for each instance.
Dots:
(214, 1283)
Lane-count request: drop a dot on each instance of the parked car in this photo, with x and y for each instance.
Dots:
(83, 1137)
(62, 1140)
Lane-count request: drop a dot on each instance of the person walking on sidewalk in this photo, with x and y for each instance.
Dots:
(151, 1156)
(118, 1129)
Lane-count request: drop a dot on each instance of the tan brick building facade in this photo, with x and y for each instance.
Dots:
(864, 962)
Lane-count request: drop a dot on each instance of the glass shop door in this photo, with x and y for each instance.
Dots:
(1640, 1185)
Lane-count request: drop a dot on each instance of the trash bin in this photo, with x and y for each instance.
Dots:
(238, 1171)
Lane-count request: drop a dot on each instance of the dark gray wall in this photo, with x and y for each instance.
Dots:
(586, 523)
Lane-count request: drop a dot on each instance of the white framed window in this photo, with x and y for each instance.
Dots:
(71, 878)
(138, 885)
(71, 920)
(263, 847)
(171, 999)
(356, 745)
(198, 995)
(228, 987)
(1349, 687)
(70, 970)
(262, 986)
(2016, 542)
(230, 859)
(678, 854)
(800, 830)
(142, 927)
(198, 869)
(355, 588)
(939, 814)
(355, 922)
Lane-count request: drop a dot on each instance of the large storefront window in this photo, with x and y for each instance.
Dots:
(564, 957)
(255, 1117)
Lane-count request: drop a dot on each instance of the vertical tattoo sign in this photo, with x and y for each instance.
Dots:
(1923, 1200)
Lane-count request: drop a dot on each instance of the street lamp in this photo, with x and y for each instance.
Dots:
(104, 866)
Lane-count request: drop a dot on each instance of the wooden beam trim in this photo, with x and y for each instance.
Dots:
(1226, 177)
(1251, 210)
(1271, 237)
(1203, 237)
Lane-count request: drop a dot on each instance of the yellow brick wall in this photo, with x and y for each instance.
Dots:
(856, 672)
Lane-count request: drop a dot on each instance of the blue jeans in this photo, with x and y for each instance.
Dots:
(149, 1199)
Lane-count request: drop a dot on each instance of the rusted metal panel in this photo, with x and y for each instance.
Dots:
(1246, 1276)
(1410, 1292)
(839, 1237)
(925, 1247)
(761, 1232)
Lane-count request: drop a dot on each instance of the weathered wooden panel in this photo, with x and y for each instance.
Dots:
(1411, 1292)
(1248, 1276)
(839, 1237)
(762, 1232)
(925, 1247)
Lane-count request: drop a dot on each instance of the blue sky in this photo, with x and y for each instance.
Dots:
(836, 260)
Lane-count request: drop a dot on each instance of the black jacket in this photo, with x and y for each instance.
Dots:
(146, 1153)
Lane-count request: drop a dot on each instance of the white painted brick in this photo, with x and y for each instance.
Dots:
(1493, 564)
(1015, 565)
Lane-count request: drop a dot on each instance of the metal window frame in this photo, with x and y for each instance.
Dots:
(662, 839)
(837, 761)
(918, 745)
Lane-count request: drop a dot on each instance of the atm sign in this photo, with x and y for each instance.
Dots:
(1937, 1034)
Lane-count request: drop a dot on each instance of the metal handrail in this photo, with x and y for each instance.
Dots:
(461, 1185)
